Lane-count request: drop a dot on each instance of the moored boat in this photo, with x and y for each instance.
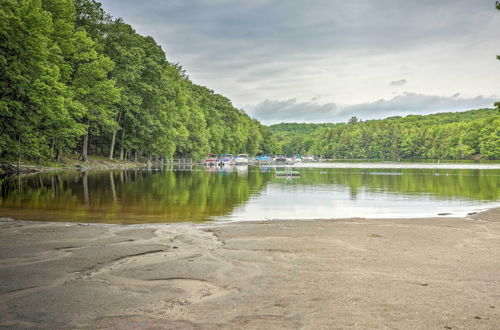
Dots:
(225, 159)
(263, 159)
(280, 159)
(241, 159)
(211, 160)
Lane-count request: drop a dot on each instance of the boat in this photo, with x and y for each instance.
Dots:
(241, 159)
(280, 159)
(263, 159)
(211, 160)
(225, 159)
(298, 159)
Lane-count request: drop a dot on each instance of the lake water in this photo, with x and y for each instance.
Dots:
(199, 194)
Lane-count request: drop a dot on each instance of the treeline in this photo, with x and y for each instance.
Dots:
(297, 138)
(457, 135)
(73, 79)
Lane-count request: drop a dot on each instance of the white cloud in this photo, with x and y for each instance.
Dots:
(274, 111)
(345, 52)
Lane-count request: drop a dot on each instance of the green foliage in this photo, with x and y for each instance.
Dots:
(296, 138)
(458, 135)
(75, 79)
(35, 105)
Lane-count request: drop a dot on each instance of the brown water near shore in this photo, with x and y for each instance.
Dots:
(435, 273)
(201, 194)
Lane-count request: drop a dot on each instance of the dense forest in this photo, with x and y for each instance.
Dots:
(73, 79)
(453, 135)
(297, 138)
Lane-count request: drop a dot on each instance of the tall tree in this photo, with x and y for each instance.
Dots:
(124, 47)
(34, 102)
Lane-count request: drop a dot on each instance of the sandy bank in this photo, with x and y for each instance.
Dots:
(438, 273)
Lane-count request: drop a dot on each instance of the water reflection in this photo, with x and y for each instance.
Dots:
(197, 194)
(171, 195)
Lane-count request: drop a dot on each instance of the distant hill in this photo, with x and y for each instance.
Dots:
(294, 138)
(448, 135)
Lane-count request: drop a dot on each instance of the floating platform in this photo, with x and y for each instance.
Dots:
(287, 173)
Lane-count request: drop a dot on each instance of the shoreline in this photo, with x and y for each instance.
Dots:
(301, 274)
(475, 215)
(104, 164)
(398, 165)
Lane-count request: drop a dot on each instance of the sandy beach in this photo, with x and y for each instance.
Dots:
(435, 273)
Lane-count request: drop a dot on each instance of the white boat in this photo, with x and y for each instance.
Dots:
(225, 159)
(241, 159)
(280, 160)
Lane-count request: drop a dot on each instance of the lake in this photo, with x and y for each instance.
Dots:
(199, 194)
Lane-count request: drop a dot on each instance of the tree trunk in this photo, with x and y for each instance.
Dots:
(85, 144)
(85, 147)
(57, 151)
(53, 147)
(122, 144)
(19, 154)
(112, 148)
(59, 154)
(113, 139)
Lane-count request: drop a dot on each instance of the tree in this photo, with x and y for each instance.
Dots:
(497, 5)
(353, 120)
(124, 46)
(93, 89)
(73, 78)
(446, 135)
(35, 104)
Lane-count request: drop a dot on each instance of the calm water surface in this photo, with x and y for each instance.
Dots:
(198, 194)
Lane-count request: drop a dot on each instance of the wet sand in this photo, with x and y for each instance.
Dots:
(437, 273)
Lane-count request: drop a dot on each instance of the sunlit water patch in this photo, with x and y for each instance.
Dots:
(198, 194)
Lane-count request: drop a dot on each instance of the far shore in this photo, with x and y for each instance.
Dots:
(101, 163)
(432, 273)
(401, 165)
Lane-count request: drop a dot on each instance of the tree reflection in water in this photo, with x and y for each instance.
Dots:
(197, 194)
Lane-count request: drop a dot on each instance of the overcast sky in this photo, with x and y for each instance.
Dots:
(327, 60)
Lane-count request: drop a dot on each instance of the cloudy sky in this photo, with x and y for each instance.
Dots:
(327, 60)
